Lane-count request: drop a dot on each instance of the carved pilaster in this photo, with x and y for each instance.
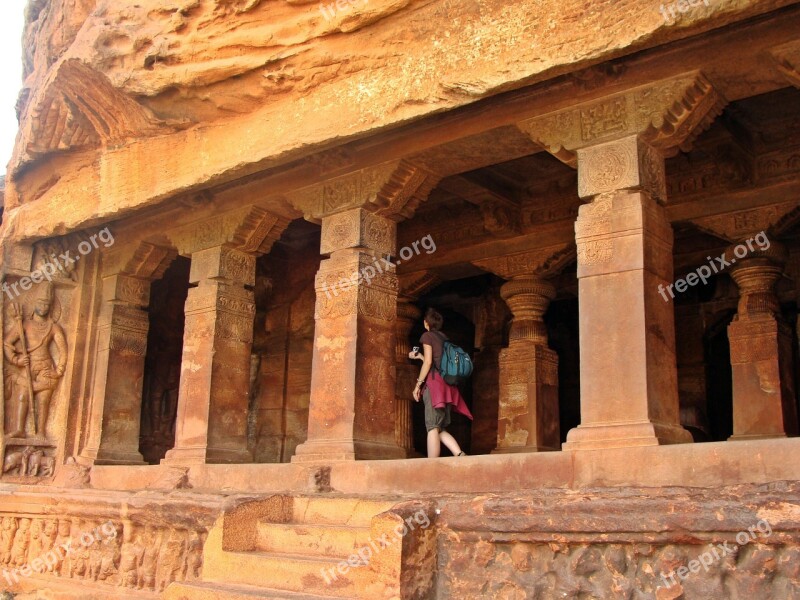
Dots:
(116, 403)
(761, 352)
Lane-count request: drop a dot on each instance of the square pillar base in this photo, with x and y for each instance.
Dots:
(625, 435)
(110, 457)
(200, 456)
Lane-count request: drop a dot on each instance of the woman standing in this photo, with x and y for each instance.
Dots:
(438, 396)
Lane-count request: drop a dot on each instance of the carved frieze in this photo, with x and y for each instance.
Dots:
(111, 553)
(667, 114)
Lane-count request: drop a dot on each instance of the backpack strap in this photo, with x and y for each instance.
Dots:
(442, 337)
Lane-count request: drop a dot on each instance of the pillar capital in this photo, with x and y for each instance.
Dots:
(756, 278)
(528, 298)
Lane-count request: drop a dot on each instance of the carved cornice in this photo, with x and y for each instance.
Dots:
(743, 224)
(393, 190)
(542, 262)
(667, 114)
(787, 59)
(78, 106)
(250, 229)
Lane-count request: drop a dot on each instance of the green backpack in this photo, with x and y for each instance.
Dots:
(456, 365)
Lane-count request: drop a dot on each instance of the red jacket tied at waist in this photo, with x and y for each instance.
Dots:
(443, 394)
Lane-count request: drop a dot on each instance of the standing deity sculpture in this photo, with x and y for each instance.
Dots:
(28, 347)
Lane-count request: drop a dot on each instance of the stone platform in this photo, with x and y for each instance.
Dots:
(691, 465)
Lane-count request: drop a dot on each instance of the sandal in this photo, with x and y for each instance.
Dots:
(462, 453)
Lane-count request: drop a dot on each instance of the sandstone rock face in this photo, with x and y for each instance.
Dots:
(289, 68)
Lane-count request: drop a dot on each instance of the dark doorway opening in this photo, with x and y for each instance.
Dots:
(162, 367)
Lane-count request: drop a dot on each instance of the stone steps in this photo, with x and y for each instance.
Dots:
(290, 572)
(216, 591)
(289, 547)
(354, 512)
(332, 541)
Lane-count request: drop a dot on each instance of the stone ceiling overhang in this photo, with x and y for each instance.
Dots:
(253, 150)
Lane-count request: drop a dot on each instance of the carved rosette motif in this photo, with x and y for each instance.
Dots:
(628, 163)
(358, 229)
(339, 292)
(591, 229)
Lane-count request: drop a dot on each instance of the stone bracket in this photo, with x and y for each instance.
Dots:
(668, 114)
(249, 229)
(393, 190)
(542, 262)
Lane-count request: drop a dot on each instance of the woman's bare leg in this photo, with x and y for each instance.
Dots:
(451, 443)
(434, 445)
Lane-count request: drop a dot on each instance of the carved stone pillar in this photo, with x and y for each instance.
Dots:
(629, 393)
(761, 353)
(211, 424)
(528, 411)
(407, 316)
(116, 406)
(629, 387)
(214, 392)
(353, 385)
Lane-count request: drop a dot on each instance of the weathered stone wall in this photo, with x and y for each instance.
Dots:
(741, 542)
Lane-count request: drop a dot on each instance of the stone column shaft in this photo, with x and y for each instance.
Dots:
(117, 392)
(211, 424)
(761, 356)
(629, 389)
(528, 406)
(352, 405)
(407, 315)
